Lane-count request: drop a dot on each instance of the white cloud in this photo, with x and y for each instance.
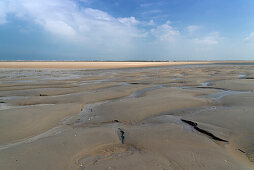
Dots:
(151, 22)
(145, 5)
(212, 38)
(67, 18)
(151, 4)
(166, 32)
(193, 28)
(96, 14)
(152, 12)
(59, 27)
(250, 37)
(2, 12)
(129, 21)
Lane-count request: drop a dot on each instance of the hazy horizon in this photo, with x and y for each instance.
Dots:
(117, 30)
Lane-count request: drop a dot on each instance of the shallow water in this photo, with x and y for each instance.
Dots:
(241, 75)
(220, 95)
(5, 105)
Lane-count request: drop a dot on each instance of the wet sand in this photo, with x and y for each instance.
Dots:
(164, 117)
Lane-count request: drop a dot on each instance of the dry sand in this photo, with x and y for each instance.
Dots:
(88, 65)
(78, 119)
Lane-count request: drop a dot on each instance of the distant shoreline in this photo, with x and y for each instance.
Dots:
(102, 64)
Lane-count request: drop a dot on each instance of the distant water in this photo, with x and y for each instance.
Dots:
(241, 64)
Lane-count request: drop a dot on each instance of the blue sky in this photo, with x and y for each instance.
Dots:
(126, 30)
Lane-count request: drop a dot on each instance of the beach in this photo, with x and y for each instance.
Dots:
(127, 115)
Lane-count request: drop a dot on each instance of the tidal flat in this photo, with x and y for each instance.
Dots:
(191, 117)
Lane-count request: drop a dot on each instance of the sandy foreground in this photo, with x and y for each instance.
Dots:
(171, 117)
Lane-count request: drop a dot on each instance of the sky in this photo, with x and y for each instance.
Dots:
(94, 30)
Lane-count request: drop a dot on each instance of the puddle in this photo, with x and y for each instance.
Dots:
(93, 81)
(17, 82)
(85, 115)
(220, 95)
(4, 105)
(215, 96)
(177, 78)
(139, 93)
(241, 75)
(205, 84)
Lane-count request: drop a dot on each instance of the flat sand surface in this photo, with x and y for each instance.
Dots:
(74, 115)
